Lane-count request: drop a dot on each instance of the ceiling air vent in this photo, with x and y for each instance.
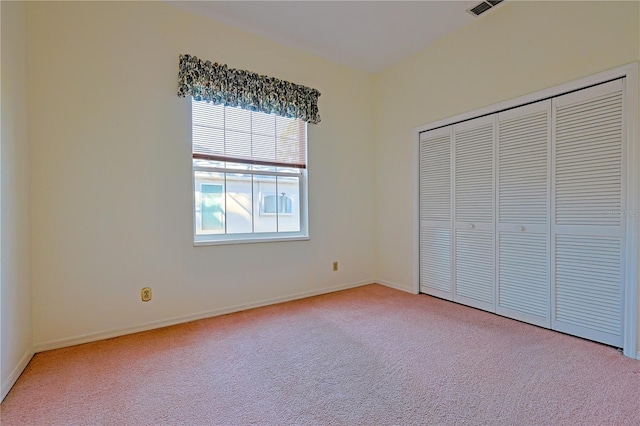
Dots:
(482, 7)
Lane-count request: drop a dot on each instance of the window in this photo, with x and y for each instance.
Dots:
(249, 171)
(211, 208)
(272, 205)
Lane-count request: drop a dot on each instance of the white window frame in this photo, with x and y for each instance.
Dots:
(256, 237)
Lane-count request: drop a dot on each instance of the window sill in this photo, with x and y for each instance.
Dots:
(250, 240)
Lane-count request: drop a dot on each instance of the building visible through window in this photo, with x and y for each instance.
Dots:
(211, 207)
(281, 204)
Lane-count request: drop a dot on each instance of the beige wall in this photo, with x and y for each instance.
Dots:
(519, 48)
(110, 153)
(15, 286)
(111, 172)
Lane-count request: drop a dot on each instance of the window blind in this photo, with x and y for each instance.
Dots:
(236, 135)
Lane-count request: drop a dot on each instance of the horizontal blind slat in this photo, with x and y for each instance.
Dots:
(236, 135)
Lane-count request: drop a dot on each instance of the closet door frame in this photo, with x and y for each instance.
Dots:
(632, 165)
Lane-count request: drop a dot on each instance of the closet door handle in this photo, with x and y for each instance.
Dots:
(521, 228)
(472, 226)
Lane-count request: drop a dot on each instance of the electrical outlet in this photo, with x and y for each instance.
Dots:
(335, 266)
(146, 294)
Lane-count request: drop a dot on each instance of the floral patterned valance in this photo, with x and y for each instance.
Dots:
(219, 84)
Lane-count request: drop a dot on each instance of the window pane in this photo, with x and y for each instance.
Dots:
(263, 124)
(264, 147)
(288, 170)
(238, 119)
(289, 134)
(269, 204)
(237, 144)
(263, 187)
(239, 204)
(260, 168)
(206, 114)
(288, 204)
(212, 208)
(238, 166)
(284, 204)
(288, 151)
(209, 203)
(288, 128)
(207, 140)
(208, 163)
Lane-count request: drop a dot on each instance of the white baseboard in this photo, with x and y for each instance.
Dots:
(396, 286)
(17, 371)
(92, 337)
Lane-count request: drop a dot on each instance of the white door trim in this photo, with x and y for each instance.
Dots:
(561, 89)
(632, 213)
(630, 120)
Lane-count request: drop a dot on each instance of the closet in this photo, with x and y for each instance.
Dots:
(521, 213)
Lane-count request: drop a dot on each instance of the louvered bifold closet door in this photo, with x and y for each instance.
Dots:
(587, 230)
(435, 213)
(523, 151)
(473, 211)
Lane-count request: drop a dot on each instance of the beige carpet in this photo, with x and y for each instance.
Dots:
(370, 356)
